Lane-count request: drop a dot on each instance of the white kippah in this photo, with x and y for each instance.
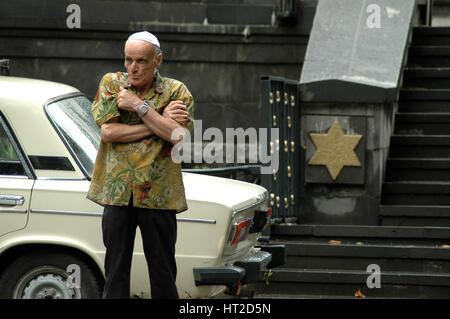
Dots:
(145, 36)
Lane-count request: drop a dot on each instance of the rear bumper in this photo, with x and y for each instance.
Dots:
(247, 270)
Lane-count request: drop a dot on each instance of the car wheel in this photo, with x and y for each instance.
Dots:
(44, 275)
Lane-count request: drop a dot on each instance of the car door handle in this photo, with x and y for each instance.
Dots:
(11, 200)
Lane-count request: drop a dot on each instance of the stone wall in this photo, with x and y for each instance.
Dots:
(218, 48)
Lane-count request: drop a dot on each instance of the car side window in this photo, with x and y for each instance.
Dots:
(10, 163)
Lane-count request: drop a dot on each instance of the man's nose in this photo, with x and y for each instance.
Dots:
(133, 67)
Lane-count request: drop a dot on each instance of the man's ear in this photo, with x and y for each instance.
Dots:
(158, 59)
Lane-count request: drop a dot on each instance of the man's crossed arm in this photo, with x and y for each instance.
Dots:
(154, 123)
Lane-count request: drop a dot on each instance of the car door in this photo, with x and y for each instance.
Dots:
(16, 183)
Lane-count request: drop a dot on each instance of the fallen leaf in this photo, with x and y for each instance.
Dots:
(358, 294)
(335, 242)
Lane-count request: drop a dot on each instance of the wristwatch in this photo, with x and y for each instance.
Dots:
(143, 109)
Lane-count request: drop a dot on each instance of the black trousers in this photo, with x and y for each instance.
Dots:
(159, 234)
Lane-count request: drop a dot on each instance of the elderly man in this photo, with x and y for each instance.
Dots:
(134, 176)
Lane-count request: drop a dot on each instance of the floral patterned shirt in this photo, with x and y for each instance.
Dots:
(143, 168)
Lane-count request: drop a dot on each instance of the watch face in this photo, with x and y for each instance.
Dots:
(143, 109)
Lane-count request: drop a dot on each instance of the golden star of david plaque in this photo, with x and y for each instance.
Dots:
(335, 150)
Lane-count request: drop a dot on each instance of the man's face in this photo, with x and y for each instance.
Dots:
(140, 62)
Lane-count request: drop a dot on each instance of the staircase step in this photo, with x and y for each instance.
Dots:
(420, 146)
(419, 163)
(429, 50)
(418, 187)
(430, 31)
(418, 72)
(358, 277)
(424, 94)
(306, 290)
(423, 106)
(416, 199)
(433, 78)
(305, 248)
(417, 211)
(359, 231)
(429, 56)
(261, 294)
(431, 123)
(361, 263)
(362, 234)
(419, 169)
(431, 36)
(423, 117)
(415, 215)
(343, 283)
(416, 193)
(428, 61)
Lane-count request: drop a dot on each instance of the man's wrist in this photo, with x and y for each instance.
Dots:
(142, 109)
(137, 105)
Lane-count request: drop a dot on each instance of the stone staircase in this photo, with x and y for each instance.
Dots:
(331, 261)
(416, 191)
(411, 245)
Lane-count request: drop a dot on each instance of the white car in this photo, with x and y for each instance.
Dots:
(50, 234)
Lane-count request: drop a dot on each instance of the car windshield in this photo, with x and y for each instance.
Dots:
(73, 119)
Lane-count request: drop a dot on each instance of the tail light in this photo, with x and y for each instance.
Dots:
(240, 231)
(269, 216)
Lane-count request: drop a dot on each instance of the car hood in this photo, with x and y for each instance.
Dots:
(228, 192)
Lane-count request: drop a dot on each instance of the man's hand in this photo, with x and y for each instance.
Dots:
(175, 109)
(127, 100)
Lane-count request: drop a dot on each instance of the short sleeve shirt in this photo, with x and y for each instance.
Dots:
(143, 169)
